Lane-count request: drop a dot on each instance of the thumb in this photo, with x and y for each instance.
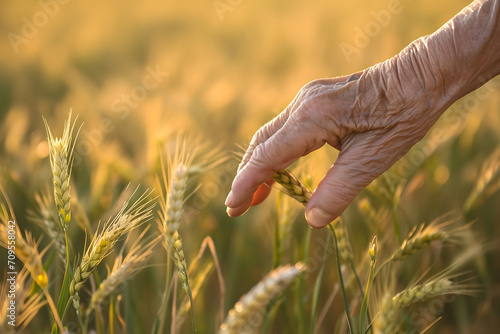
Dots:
(357, 166)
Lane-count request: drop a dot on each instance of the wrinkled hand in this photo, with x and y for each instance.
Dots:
(370, 126)
(375, 116)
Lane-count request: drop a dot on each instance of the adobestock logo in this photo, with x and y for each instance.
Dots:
(222, 7)
(48, 9)
(372, 28)
(120, 108)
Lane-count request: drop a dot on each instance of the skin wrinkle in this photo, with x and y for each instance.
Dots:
(374, 116)
(414, 64)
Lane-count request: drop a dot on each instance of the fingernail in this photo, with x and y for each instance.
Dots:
(227, 211)
(317, 218)
(229, 199)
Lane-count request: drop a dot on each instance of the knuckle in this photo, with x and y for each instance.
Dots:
(315, 85)
(260, 156)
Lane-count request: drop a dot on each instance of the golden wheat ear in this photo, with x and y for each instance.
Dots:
(241, 319)
(292, 186)
(445, 228)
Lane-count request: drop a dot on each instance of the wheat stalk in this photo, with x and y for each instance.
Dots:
(61, 160)
(185, 305)
(102, 243)
(246, 316)
(372, 251)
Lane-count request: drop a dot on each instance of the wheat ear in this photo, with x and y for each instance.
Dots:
(246, 316)
(292, 186)
(123, 269)
(180, 262)
(421, 292)
(386, 321)
(61, 160)
(176, 197)
(441, 284)
(422, 236)
(102, 243)
(171, 215)
(172, 197)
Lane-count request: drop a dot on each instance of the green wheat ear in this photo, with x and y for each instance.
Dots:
(127, 219)
(61, 160)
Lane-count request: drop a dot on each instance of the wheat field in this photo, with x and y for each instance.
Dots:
(121, 128)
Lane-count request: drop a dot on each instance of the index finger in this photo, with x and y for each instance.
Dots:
(282, 148)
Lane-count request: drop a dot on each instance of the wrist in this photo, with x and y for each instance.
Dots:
(436, 70)
(465, 53)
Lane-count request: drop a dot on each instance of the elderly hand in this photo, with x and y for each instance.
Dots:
(372, 117)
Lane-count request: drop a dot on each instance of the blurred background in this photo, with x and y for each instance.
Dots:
(138, 74)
